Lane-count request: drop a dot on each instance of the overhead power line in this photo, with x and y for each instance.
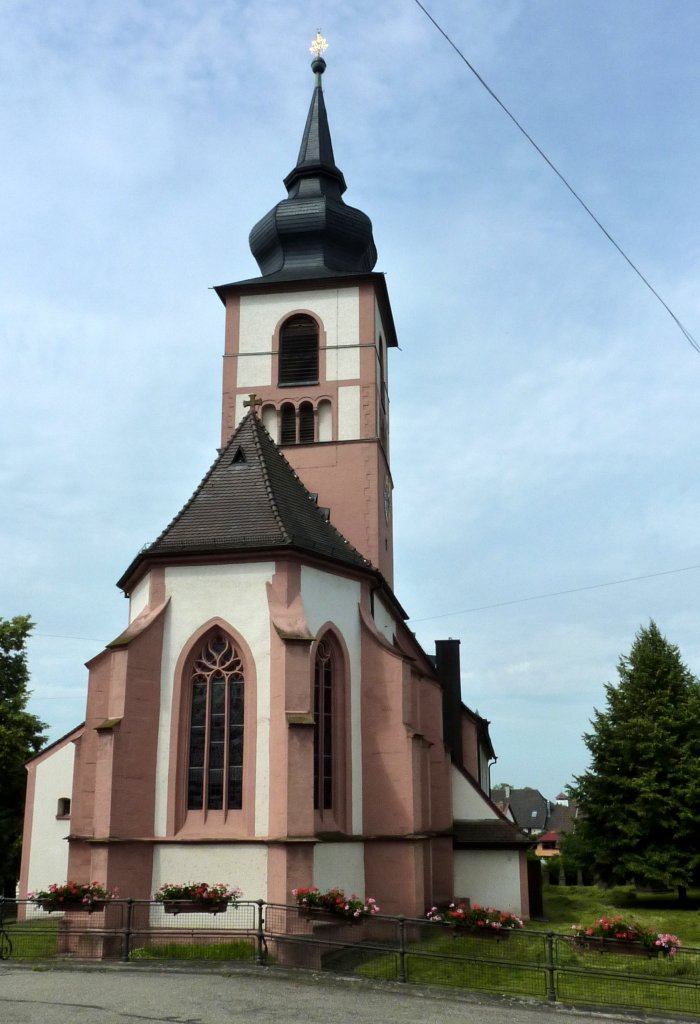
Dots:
(556, 593)
(684, 330)
(476, 608)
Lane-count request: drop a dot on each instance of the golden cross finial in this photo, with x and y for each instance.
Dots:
(252, 402)
(319, 45)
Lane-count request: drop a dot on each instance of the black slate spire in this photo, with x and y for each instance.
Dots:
(313, 232)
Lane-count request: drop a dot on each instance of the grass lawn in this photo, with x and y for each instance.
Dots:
(242, 949)
(33, 940)
(567, 905)
(517, 966)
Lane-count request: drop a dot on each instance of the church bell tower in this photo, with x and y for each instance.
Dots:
(307, 342)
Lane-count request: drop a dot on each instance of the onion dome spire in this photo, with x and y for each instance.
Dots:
(313, 232)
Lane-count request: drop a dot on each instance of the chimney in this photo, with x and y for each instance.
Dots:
(448, 672)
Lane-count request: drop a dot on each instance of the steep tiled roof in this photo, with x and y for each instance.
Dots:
(529, 808)
(563, 817)
(250, 500)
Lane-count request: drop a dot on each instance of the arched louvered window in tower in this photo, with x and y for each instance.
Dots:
(298, 351)
(215, 766)
(306, 423)
(288, 425)
(324, 712)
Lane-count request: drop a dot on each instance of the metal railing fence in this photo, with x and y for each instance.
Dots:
(542, 965)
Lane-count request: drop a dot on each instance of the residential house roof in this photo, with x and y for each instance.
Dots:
(528, 807)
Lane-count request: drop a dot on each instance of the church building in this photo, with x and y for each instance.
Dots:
(267, 719)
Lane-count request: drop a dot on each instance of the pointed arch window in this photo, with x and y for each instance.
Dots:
(324, 723)
(215, 766)
(298, 351)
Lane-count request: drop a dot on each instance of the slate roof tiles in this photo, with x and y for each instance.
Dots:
(251, 499)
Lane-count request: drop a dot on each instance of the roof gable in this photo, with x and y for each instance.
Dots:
(250, 500)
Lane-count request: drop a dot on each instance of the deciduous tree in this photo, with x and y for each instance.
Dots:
(640, 799)
(21, 736)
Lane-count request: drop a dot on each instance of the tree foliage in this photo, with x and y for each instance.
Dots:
(21, 736)
(640, 799)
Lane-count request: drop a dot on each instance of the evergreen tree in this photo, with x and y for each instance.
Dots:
(21, 736)
(640, 800)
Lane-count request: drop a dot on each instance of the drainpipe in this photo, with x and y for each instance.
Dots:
(448, 672)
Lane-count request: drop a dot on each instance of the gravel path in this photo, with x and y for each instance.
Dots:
(129, 995)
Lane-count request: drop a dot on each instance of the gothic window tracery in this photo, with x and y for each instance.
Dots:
(215, 765)
(324, 725)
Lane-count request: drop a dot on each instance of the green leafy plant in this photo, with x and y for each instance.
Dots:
(621, 930)
(477, 917)
(336, 902)
(197, 892)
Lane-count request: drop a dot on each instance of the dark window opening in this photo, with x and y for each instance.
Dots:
(215, 771)
(298, 351)
(323, 728)
(288, 426)
(306, 423)
(63, 808)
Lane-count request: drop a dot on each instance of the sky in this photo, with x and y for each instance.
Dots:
(544, 406)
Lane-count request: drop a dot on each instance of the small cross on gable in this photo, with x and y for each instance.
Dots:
(252, 402)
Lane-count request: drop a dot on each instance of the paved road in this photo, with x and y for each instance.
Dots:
(129, 995)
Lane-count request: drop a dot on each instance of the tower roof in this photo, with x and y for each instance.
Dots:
(250, 500)
(313, 232)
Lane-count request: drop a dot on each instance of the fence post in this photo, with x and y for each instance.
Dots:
(551, 988)
(126, 932)
(261, 952)
(5, 941)
(402, 949)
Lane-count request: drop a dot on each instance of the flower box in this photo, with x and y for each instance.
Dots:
(86, 907)
(87, 897)
(629, 938)
(195, 906)
(334, 903)
(487, 922)
(196, 897)
(623, 947)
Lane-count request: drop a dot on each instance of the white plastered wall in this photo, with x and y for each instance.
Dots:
(489, 877)
(467, 803)
(349, 412)
(49, 850)
(342, 865)
(233, 864)
(338, 311)
(383, 619)
(329, 598)
(236, 594)
(379, 331)
(138, 598)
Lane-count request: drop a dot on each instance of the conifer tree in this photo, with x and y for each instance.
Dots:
(21, 736)
(640, 799)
